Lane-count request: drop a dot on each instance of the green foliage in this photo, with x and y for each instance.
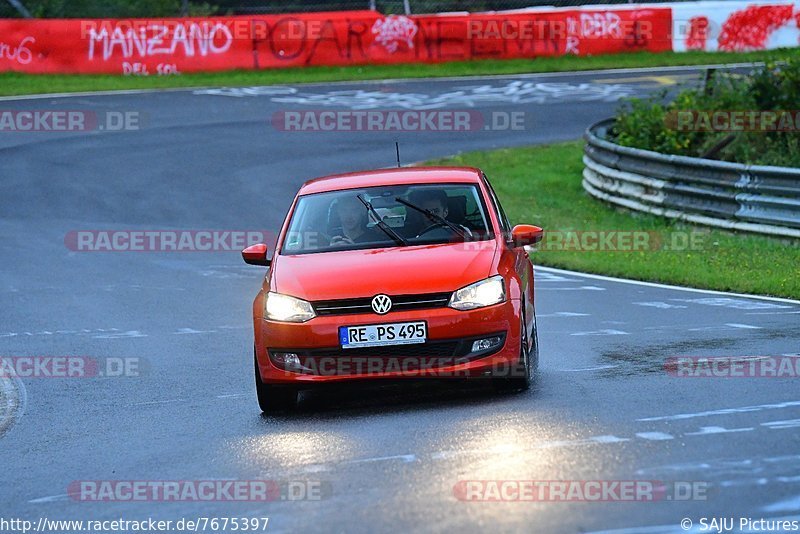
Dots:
(542, 185)
(653, 123)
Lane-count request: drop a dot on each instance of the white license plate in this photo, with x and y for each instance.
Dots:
(377, 335)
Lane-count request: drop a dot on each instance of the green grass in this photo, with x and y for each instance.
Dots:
(542, 185)
(18, 84)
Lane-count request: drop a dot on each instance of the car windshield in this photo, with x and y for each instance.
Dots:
(387, 216)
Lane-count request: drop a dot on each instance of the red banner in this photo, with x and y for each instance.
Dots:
(172, 46)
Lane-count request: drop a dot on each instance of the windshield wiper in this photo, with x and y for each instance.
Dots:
(397, 238)
(434, 217)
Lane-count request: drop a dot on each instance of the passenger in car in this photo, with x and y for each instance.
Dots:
(353, 219)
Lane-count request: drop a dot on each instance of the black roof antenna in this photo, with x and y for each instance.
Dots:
(397, 149)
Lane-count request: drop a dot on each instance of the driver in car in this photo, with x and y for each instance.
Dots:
(435, 201)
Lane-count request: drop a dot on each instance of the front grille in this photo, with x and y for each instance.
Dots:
(364, 304)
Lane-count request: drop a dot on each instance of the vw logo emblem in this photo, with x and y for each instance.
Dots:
(381, 304)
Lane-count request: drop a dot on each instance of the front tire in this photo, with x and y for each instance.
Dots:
(522, 374)
(274, 398)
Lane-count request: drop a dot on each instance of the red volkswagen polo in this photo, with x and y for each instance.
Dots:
(397, 273)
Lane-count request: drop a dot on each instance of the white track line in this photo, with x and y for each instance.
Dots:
(655, 436)
(663, 286)
(51, 498)
(722, 411)
(522, 75)
(155, 402)
(585, 369)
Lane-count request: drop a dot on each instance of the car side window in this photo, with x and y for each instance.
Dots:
(501, 214)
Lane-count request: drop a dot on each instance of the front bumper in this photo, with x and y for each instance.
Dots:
(448, 330)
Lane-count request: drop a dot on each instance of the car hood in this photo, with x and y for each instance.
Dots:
(394, 271)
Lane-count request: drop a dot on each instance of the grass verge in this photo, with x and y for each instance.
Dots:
(542, 185)
(12, 83)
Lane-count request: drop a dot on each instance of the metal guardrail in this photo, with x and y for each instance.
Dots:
(751, 198)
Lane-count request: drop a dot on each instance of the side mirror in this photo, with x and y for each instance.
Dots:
(526, 234)
(256, 255)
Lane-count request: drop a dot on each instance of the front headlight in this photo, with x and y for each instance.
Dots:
(480, 294)
(288, 309)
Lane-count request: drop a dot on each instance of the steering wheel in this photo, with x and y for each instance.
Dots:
(434, 226)
(341, 240)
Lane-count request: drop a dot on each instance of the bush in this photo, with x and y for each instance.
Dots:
(652, 124)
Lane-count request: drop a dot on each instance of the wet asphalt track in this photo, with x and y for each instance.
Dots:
(603, 407)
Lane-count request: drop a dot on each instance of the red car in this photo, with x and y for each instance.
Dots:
(412, 272)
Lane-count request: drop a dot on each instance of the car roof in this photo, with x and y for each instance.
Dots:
(382, 177)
